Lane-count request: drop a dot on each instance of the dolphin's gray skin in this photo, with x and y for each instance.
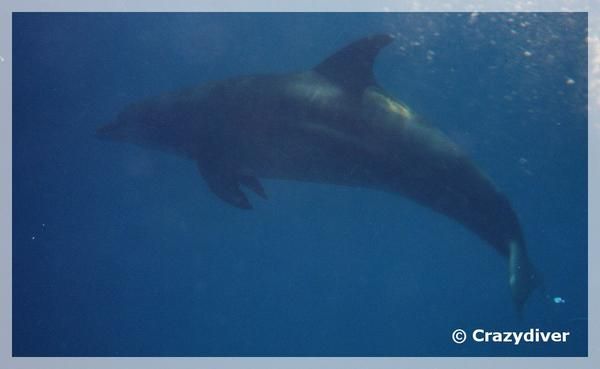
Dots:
(330, 124)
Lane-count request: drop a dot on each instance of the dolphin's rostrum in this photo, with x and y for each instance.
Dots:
(330, 124)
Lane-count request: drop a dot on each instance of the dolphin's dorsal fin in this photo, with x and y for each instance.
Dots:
(352, 66)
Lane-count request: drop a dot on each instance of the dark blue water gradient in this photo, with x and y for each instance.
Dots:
(119, 251)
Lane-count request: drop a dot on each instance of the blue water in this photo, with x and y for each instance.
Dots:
(119, 251)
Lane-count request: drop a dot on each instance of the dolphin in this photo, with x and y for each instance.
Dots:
(330, 124)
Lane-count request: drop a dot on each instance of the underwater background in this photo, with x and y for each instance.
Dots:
(121, 251)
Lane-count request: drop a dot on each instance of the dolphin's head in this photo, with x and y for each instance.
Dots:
(139, 123)
(110, 131)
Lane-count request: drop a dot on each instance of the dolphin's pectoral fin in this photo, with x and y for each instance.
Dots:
(226, 186)
(253, 184)
(228, 190)
(352, 66)
(225, 183)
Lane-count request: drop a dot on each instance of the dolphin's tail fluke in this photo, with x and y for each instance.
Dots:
(523, 276)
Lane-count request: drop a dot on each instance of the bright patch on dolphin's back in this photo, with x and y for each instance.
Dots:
(392, 106)
(305, 89)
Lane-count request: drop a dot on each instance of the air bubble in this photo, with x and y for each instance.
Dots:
(558, 300)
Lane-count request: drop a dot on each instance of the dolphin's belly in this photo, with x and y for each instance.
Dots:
(303, 158)
(450, 185)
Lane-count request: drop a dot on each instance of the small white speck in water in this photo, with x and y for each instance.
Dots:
(558, 300)
(33, 238)
(1, 59)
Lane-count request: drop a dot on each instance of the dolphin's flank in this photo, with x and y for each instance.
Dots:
(330, 124)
